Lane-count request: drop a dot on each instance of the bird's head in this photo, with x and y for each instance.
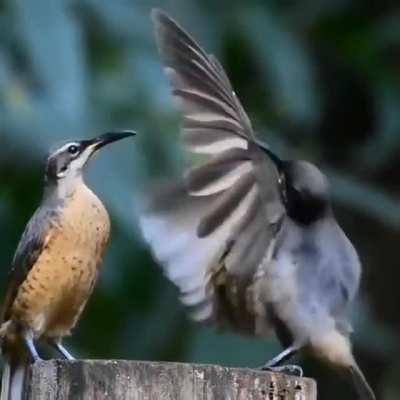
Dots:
(67, 161)
(307, 191)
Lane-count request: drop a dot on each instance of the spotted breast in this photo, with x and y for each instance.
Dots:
(55, 291)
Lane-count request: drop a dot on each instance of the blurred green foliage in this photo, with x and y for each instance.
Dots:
(320, 80)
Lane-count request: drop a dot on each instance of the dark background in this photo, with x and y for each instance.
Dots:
(320, 80)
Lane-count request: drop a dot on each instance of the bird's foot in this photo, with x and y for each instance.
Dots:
(32, 348)
(61, 350)
(36, 358)
(69, 357)
(285, 369)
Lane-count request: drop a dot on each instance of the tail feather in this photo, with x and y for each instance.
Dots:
(335, 347)
(361, 385)
(13, 377)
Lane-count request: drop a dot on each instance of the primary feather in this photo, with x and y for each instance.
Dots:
(229, 202)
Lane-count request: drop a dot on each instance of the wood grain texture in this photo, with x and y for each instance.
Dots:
(136, 380)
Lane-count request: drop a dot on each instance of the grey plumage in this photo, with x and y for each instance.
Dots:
(250, 240)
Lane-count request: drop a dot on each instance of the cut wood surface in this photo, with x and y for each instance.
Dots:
(137, 380)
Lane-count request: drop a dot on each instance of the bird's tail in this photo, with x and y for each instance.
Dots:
(13, 377)
(336, 348)
(361, 385)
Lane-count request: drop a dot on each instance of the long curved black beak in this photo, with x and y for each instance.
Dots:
(279, 163)
(109, 137)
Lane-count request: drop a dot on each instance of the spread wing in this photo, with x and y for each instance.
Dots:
(222, 220)
(33, 240)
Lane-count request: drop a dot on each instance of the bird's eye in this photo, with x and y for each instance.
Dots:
(73, 149)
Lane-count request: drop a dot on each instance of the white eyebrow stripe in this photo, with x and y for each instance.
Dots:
(65, 147)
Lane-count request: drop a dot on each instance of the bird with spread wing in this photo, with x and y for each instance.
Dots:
(250, 239)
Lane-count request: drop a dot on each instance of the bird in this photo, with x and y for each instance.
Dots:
(56, 262)
(249, 238)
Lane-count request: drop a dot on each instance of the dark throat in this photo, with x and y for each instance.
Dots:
(304, 208)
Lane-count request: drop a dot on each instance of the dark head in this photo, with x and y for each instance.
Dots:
(67, 161)
(306, 192)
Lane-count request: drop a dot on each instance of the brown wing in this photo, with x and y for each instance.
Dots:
(231, 203)
(32, 242)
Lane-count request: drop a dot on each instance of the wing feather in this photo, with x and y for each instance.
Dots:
(237, 197)
(224, 216)
(32, 242)
(211, 141)
(218, 174)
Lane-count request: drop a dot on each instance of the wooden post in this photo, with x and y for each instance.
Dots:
(136, 380)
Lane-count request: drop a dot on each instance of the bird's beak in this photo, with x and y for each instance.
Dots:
(279, 163)
(107, 138)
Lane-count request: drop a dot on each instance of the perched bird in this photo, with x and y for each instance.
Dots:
(250, 239)
(56, 263)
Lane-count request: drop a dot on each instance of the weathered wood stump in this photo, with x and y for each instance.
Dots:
(136, 380)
